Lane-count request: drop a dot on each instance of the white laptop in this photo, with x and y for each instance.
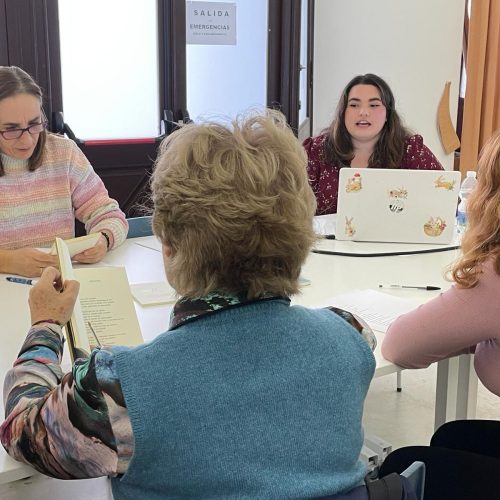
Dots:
(397, 205)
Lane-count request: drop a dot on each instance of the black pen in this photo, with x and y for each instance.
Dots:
(22, 281)
(428, 287)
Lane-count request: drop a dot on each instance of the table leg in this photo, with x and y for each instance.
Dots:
(456, 390)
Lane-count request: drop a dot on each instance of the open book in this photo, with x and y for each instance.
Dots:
(78, 245)
(104, 313)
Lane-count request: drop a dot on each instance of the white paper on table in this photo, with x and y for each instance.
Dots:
(325, 224)
(148, 294)
(378, 309)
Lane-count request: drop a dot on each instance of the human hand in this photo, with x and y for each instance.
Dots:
(50, 299)
(94, 254)
(29, 262)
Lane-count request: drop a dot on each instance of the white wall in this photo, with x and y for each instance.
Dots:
(414, 45)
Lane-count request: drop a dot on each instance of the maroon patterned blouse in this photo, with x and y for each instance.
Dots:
(324, 177)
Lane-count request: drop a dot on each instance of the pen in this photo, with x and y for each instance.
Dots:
(428, 287)
(94, 334)
(22, 281)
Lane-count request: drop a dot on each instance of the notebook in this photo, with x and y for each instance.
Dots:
(397, 205)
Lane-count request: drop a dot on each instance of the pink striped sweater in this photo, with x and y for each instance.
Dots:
(35, 207)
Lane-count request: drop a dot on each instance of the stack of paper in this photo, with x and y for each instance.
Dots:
(378, 309)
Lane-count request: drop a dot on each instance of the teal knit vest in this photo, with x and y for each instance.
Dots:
(263, 400)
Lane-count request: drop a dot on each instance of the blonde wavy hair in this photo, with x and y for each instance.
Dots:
(234, 204)
(481, 241)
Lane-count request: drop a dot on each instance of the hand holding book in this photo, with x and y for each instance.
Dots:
(78, 245)
(104, 302)
(48, 300)
(95, 253)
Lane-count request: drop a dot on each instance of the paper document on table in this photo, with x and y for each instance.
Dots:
(378, 309)
(149, 294)
(325, 224)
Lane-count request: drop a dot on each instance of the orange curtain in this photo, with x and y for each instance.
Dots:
(482, 94)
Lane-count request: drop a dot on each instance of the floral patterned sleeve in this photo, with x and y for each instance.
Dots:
(313, 166)
(358, 323)
(70, 426)
(417, 156)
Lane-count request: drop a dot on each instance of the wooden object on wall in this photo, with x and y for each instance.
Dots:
(447, 133)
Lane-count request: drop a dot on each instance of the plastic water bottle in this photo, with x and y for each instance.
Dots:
(466, 188)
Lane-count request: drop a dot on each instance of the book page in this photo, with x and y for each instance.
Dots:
(107, 303)
(78, 245)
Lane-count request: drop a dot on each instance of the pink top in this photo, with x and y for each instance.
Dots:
(324, 177)
(35, 207)
(458, 321)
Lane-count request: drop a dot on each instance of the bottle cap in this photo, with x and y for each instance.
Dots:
(471, 173)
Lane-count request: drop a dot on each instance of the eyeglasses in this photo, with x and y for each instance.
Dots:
(16, 133)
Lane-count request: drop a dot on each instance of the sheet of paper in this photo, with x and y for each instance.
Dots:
(148, 294)
(107, 303)
(325, 224)
(378, 309)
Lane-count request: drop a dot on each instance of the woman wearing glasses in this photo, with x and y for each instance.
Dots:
(45, 182)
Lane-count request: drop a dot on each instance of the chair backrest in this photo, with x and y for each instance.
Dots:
(409, 485)
(415, 473)
(139, 226)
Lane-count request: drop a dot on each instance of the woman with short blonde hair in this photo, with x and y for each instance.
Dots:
(235, 207)
(245, 395)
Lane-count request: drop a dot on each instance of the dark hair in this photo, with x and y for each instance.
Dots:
(14, 81)
(389, 149)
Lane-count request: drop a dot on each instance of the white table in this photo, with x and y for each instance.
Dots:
(456, 383)
(329, 275)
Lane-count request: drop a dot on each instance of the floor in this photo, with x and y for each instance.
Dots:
(407, 417)
(400, 419)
